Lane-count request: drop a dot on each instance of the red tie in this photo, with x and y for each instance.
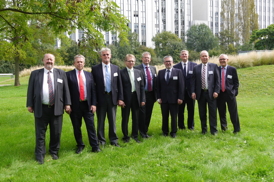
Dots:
(81, 86)
(149, 87)
(223, 79)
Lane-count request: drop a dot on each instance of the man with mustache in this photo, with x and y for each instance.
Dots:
(48, 95)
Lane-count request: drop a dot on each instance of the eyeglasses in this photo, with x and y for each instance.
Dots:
(105, 54)
(130, 61)
(222, 59)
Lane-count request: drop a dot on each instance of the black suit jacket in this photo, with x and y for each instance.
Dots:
(74, 89)
(154, 77)
(139, 86)
(173, 90)
(213, 80)
(231, 81)
(188, 80)
(116, 84)
(61, 91)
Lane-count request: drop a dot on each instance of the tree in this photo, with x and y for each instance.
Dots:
(263, 38)
(91, 16)
(167, 43)
(200, 37)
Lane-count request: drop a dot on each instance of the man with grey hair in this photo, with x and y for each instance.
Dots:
(170, 94)
(109, 92)
(150, 93)
(187, 69)
(205, 88)
(229, 90)
(83, 98)
(48, 95)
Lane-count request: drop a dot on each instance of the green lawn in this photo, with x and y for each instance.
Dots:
(191, 156)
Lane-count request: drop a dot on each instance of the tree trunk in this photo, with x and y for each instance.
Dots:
(16, 71)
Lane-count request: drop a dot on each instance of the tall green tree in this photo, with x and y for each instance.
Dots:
(59, 16)
(200, 37)
(167, 43)
(263, 38)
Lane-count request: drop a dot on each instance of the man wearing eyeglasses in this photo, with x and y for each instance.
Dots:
(109, 94)
(229, 91)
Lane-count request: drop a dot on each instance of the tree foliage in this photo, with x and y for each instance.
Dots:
(167, 43)
(200, 37)
(57, 17)
(263, 39)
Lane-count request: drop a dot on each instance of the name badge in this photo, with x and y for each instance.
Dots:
(229, 76)
(210, 72)
(139, 79)
(59, 80)
(155, 75)
(115, 74)
(190, 72)
(175, 77)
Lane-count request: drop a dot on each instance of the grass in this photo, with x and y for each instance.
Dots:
(247, 156)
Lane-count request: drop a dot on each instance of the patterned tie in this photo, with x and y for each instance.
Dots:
(107, 77)
(149, 86)
(167, 75)
(81, 86)
(51, 94)
(184, 70)
(223, 79)
(203, 77)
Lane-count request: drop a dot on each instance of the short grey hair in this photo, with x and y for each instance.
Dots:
(184, 51)
(224, 56)
(104, 49)
(49, 54)
(167, 57)
(79, 56)
(204, 51)
(144, 53)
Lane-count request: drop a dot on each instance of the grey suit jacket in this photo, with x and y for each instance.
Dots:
(213, 80)
(139, 85)
(61, 92)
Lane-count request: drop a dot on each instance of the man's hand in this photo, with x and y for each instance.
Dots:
(180, 101)
(215, 95)
(68, 109)
(93, 109)
(193, 96)
(30, 109)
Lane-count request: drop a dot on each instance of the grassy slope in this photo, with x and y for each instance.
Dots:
(191, 156)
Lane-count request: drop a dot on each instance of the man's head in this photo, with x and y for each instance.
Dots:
(184, 55)
(105, 54)
(130, 60)
(223, 58)
(48, 61)
(146, 58)
(79, 62)
(204, 57)
(168, 62)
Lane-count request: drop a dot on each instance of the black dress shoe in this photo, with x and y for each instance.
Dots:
(54, 156)
(96, 150)
(164, 134)
(137, 140)
(126, 140)
(173, 135)
(79, 149)
(115, 144)
(235, 132)
(214, 133)
(203, 132)
(102, 143)
(40, 161)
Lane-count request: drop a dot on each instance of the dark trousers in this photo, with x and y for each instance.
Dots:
(171, 109)
(203, 102)
(222, 101)
(76, 118)
(190, 112)
(110, 110)
(55, 126)
(133, 105)
(146, 112)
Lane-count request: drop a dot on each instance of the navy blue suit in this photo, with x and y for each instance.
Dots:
(81, 109)
(188, 100)
(169, 92)
(107, 102)
(229, 97)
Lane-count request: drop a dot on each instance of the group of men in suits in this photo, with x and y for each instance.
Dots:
(135, 89)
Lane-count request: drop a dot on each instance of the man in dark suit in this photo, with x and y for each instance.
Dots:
(170, 94)
(83, 98)
(150, 92)
(229, 90)
(48, 95)
(109, 92)
(205, 88)
(134, 96)
(187, 69)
